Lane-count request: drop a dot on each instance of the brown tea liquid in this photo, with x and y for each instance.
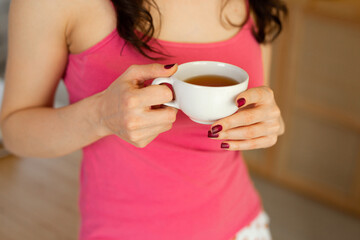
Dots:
(211, 81)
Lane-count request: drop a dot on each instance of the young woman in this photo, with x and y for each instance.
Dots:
(148, 171)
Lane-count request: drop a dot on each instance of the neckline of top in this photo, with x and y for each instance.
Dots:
(114, 33)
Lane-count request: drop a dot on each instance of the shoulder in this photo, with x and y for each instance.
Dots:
(41, 8)
(60, 17)
(40, 14)
(51, 11)
(53, 6)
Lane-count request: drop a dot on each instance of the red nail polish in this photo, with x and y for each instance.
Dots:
(169, 66)
(216, 129)
(225, 145)
(211, 135)
(241, 102)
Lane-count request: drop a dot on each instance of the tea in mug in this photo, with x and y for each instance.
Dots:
(211, 81)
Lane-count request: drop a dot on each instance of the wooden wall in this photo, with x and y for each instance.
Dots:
(316, 79)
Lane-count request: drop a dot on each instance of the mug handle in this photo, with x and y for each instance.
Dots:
(170, 80)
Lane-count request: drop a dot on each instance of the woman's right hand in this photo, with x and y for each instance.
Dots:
(125, 106)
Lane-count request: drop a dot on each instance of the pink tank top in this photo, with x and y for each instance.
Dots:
(182, 185)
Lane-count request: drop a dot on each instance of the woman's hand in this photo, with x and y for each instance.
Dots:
(126, 106)
(257, 124)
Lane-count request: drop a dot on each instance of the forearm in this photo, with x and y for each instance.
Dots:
(47, 132)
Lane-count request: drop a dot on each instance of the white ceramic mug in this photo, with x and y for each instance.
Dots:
(205, 104)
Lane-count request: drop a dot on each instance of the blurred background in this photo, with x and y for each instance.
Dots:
(309, 181)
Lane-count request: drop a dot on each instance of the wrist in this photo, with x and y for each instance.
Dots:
(96, 118)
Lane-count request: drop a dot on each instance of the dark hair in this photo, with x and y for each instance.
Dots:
(135, 14)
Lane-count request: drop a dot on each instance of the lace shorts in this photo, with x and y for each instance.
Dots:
(258, 229)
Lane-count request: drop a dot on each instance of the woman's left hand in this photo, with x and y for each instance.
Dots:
(257, 124)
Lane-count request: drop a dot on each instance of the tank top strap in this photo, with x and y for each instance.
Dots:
(247, 3)
(248, 20)
(112, 4)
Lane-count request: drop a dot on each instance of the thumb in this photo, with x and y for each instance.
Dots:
(138, 74)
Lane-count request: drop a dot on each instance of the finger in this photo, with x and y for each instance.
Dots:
(137, 74)
(153, 131)
(249, 132)
(151, 118)
(243, 117)
(141, 137)
(258, 95)
(146, 141)
(153, 95)
(261, 142)
(161, 116)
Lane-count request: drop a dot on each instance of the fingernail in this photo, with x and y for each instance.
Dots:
(216, 129)
(241, 102)
(225, 145)
(212, 135)
(169, 66)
